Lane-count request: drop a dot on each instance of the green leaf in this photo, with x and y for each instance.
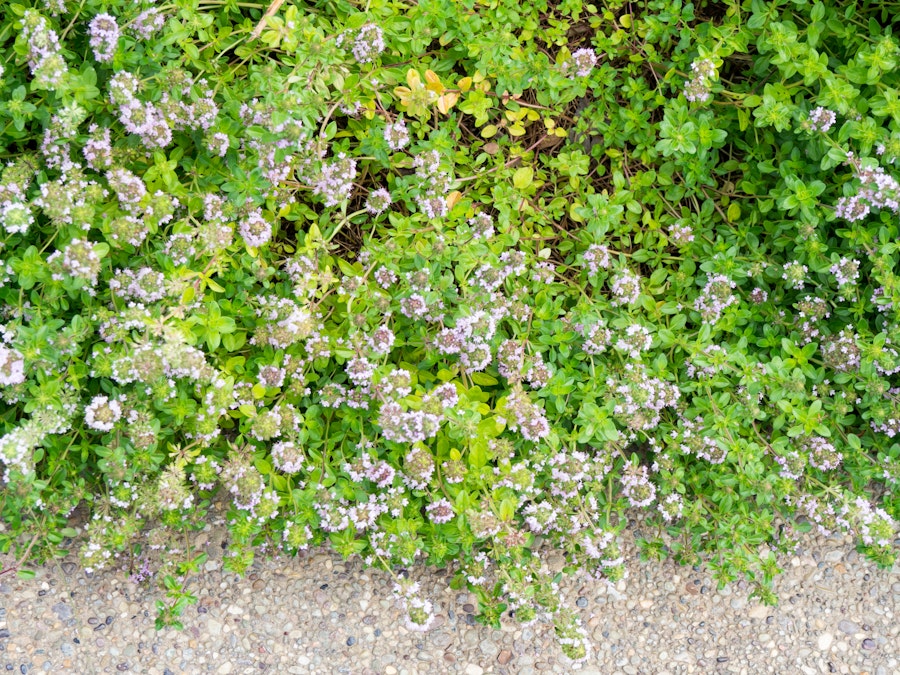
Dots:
(523, 177)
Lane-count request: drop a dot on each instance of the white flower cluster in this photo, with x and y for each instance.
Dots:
(697, 90)
(15, 215)
(102, 413)
(419, 613)
(583, 62)
(12, 366)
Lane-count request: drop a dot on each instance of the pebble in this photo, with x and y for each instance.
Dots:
(63, 611)
(758, 612)
(473, 669)
(868, 643)
(824, 641)
(848, 627)
(4, 633)
(504, 657)
(351, 641)
(582, 601)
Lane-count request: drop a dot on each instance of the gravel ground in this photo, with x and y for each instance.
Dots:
(321, 614)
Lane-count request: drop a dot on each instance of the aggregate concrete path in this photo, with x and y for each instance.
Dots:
(320, 614)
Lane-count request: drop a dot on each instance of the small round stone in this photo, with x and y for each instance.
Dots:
(351, 641)
(868, 643)
(582, 601)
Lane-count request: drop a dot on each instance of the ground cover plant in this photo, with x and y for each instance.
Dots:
(454, 283)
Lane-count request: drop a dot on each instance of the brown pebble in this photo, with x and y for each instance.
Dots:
(839, 568)
(258, 585)
(469, 607)
(368, 619)
(692, 589)
(504, 657)
(449, 658)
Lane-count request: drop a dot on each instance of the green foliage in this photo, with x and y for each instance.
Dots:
(450, 282)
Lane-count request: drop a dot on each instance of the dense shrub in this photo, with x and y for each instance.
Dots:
(444, 281)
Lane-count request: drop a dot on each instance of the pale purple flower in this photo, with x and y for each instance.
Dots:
(104, 33)
(396, 135)
(378, 201)
(440, 511)
(255, 229)
(821, 119)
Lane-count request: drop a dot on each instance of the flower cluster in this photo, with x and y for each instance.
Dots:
(582, 62)
(368, 43)
(104, 33)
(596, 258)
(79, 260)
(43, 51)
(625, 287)
(640, 397)
(255, 229)
(335, 181)
(715, 298)
(102, 413)
(527, 418)
(698, 89)
(794, 273)
(379, 200)
(821, 119)
(845, 273)
(877, 190)
(140, 118)
(12, 366)
(419, 613)
(637, 487)
(822, 453)
(434, 183)
(396, 135)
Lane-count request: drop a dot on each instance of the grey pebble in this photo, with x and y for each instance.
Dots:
(122, 667)
(848, 627)
(109, 620)
(470, 619)
(721, 659)
(582, 601)
(63, 611)
(93, 621)
(67, 649)
(68, 568)
(377, 632)
(4, 633)
(868, 643)
(351, 641)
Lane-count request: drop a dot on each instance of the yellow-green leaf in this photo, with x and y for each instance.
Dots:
(523, 177)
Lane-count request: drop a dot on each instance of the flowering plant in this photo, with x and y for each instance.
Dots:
(462, 321)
